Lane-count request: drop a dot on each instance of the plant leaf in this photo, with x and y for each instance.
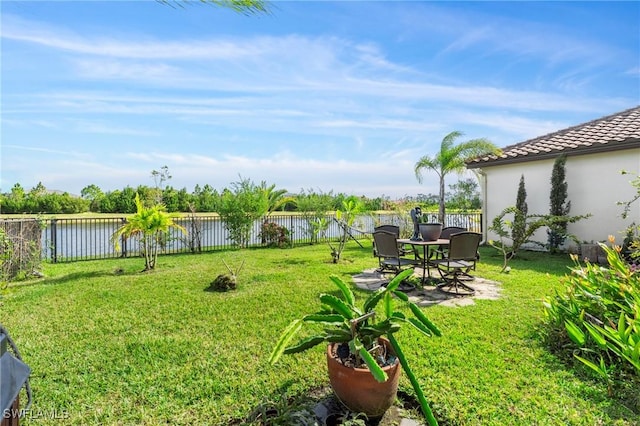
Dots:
(420, 326)
(344, 288)
(373, 300)
(337, 305)
(388, 308)
(423, 319)
(395, 282)
(324, 318)
(400, 295)
(305, 344)
(426, 410)
(575, 334)
(284, 340)
(373, 366)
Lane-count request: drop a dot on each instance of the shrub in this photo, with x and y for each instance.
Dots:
(598, 316)
(274, 235)
(20, 242)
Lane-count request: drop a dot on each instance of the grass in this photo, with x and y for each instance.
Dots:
(110, 345)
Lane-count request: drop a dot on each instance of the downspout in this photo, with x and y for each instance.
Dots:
(482, 179)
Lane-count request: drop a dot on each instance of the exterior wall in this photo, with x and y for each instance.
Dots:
(595, 186)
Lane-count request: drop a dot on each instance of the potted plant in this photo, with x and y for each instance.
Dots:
(361, 343)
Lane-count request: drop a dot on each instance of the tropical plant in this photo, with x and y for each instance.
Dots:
(599, 311)
(276, 198)
(341, 321)
(151, 225)
(559, 206)
(451, 158)
(345, 217)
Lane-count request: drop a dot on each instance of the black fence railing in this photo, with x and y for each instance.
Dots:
(67, 240)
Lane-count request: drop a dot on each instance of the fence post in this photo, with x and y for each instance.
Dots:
(123, 240)
(54, 241)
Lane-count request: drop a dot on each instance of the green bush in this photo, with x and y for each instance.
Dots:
(597, 317)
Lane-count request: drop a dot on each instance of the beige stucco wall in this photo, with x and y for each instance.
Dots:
(595, 186)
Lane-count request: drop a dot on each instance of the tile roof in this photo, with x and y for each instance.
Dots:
(614, 132)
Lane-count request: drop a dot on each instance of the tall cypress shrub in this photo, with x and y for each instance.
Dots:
(559, 206)
(520, 215)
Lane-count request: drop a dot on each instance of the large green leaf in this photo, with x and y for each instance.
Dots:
(395, 282)
(423, 319)
(374, 368)
(324, 318)
(305, 344)
(284, 340)
(344, 288)
(337, 305)
(373, 299)
(426, 410)
(420, 326)
(574, 332)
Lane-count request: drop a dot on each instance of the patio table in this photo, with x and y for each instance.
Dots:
(426, 245)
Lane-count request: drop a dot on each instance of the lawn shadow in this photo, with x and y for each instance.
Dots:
(74, 276)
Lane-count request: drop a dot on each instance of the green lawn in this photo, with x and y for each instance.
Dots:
(110, 345)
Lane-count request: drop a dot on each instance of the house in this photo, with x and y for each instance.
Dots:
(597, 152)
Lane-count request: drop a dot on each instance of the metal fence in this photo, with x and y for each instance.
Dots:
(67, 240)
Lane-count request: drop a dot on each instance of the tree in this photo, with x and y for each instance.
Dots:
(518, 228)
(451, 158)
(559, 206)
(152, 225)
(159, 178)
(276, 198)
(240, 207)
(345, 217)
(313, 207)
(466, 195)
(94, 195)
(532, 222)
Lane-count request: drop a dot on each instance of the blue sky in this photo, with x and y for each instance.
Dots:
(342, 96)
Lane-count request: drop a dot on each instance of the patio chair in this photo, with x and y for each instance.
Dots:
(447, 232)
(394, 229)
(389, 257)
(459, 260)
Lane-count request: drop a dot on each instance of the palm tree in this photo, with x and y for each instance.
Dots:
(451, 158)
(151, 225)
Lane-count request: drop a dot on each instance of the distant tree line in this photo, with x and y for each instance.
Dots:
(464, 196)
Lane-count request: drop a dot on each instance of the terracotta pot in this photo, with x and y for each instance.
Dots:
(358, 390)
(430, 231)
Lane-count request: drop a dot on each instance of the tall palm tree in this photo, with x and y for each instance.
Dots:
(451, 158)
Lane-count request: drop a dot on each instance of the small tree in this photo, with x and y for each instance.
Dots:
(152, 225)
(314, 207)
(559, 206)
(345, 218)
(501, 226)
(240, 207)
